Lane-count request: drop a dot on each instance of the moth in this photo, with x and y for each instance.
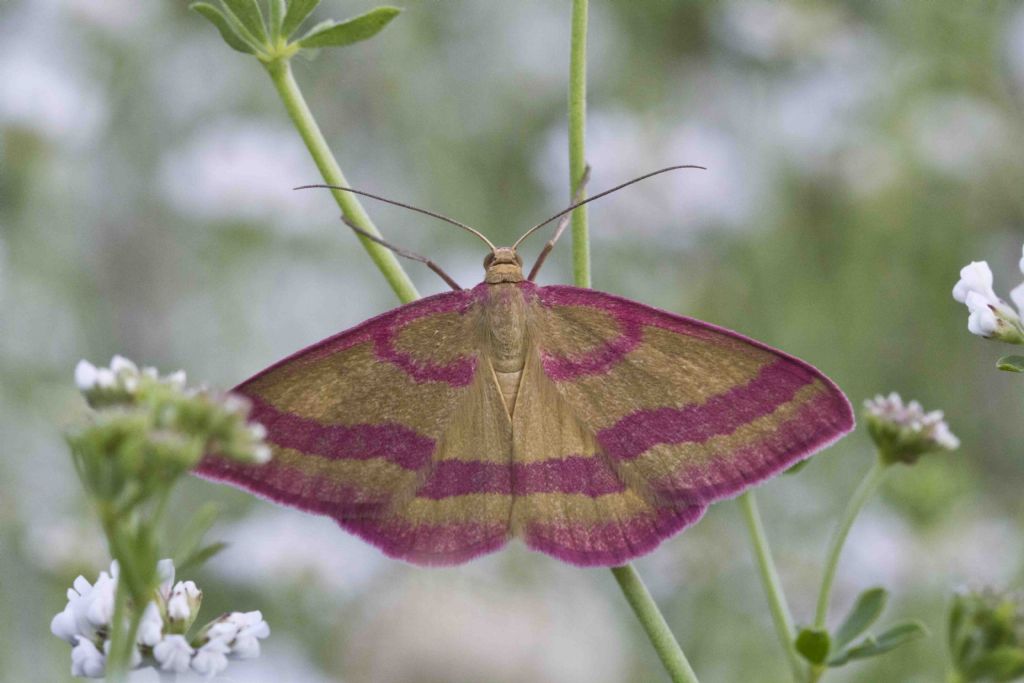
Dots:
(590, 426)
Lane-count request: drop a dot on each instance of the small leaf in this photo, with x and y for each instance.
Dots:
(192, 534)
(297, 12)
(351, 30)
(200, 556)
(1005, 663)
(249, 14)
(797, 467)
(1011, 363)
(872, 646)
(217, 18)
(863, 614)
(277, 11)
(814, 645)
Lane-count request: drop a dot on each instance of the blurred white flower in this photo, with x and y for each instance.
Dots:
(903, 433)
(242, 171)
(958, 135)
(184, 602)
(49, 99)
(251, 628)
(173, 653)
(151, 627)
(86, 659)
(85, 622)
(287, 546)
(988, 315)
(211, 658)
(773, 29)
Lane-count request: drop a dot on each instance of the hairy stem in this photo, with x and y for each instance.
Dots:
(281, 74)
(781, 615)
(577, 140)
(865, 490)
(665, 644)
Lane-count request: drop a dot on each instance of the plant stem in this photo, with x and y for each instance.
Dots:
(781, 615)
(577, 140)
(629, 580)
(654, 624)
(864, 491)
(281, 74)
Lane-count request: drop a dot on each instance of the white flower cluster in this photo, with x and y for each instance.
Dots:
(161, 639)
(122, 375)
(124, 384)
(904, 432)
(990, 316)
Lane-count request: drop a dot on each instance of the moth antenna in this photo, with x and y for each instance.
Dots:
(417, 209)
(412, 256)
(575, 205)
(562, 225)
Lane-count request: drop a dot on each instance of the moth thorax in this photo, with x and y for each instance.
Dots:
(506, 327)
(503, 265)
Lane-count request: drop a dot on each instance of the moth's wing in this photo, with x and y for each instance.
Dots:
(372, 426)
(681, 412)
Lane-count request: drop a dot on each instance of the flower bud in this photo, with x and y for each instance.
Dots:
(903, 433)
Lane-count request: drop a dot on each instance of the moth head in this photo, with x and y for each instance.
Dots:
(503, 264)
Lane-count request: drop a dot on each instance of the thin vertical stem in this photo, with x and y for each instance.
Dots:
(654, 624)
(577, 140)
(865, 490)
(281, 74)
(781, 615)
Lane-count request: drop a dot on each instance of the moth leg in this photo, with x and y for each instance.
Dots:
(404, 253)
(562, 225)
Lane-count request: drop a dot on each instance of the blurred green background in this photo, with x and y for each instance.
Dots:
(859, 154)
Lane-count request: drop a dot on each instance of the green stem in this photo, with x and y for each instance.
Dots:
(781, 615)
(577, 140)
(281, 74)
(632, 585)
(864, 491)
(117, 659)
(654, 624)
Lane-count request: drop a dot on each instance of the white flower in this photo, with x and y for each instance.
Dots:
(975, 277)
(151, 627)
(89, 607)
(903, 433)
(173, 653)
(119, 364)
(63, 625)
(86, 659)
(85, 375)
(184, 600)
(982, 318)
(105, 378)
(251, 628)
(211, 658)
(989, 316)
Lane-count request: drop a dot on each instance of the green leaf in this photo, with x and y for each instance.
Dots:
(192, 534)
(297, 12)
(249, 15)
(278, 9)
(1011, 363)
(872, 646)
(863, 614)
(1005, 663)
(217, 18)
(200, 556)
(797, 467)
(351, 30)
(814, 645)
